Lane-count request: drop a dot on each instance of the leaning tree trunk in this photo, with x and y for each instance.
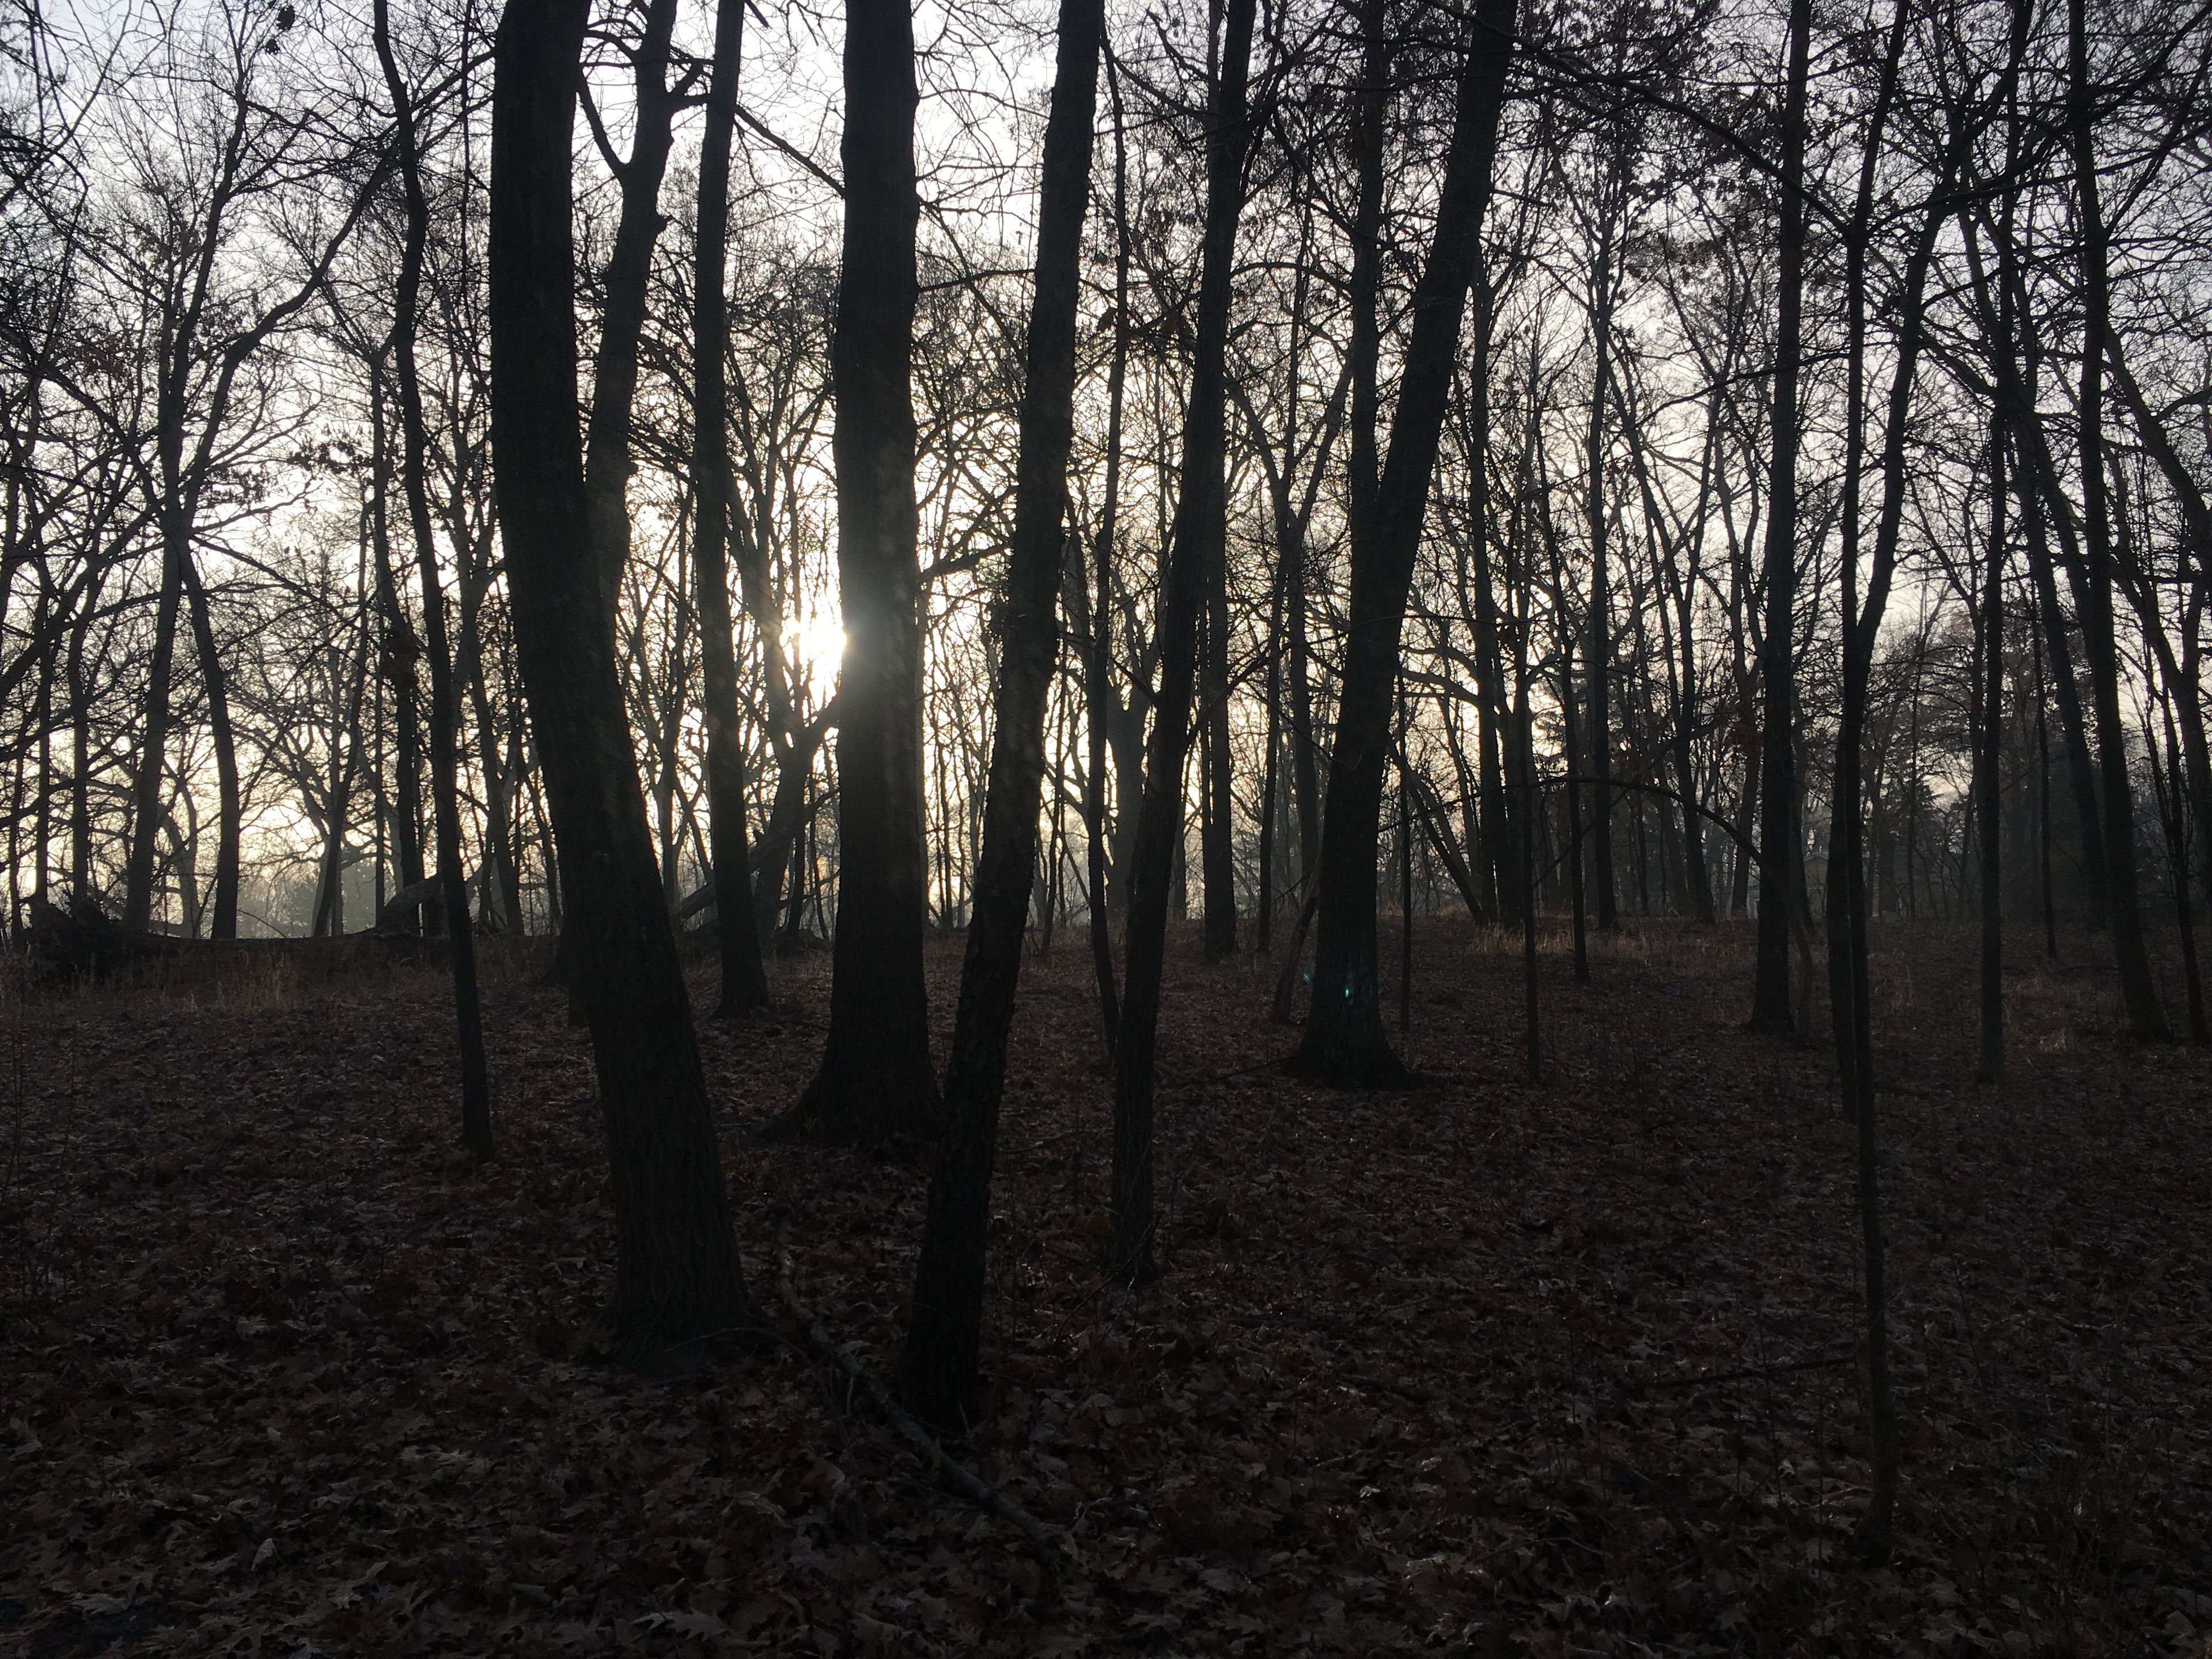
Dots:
(622, 325)
(937, 1374)
(745, 982)
(677, 1275)
(445, 704)
(876, 1079)
(1344, 1041)
(1198, 521)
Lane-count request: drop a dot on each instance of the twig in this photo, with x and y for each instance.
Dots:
(1056, 1558)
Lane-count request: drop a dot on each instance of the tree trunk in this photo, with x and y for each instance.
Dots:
(1987, 778)
(745, 982)
(1600, 650)
(622, 324)
(1778, 861)
(2138, 989)
(676, 1276)
(445, 704)
(146, 785)
(1345, 1042)
(1197, 522)
(1099, 700)
(222, 923)
(875, 1079)
(1850, 992)
(396, 660)
(937, 1371)
(2180, 676)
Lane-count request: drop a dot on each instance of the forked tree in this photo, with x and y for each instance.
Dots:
(677, 1275)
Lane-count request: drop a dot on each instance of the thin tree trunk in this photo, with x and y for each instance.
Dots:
(1850, 991)
(1778, 861)
(146, 813)
(2138, 989)
(1098, 637)
(744, 982)
(937, 1370)
(401, 650)
(622, 324)
(1600, 650)
(1988, 781)
(444, 705)
(222, 738)
(1198, 523)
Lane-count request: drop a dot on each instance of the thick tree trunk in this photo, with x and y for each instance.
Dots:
(875, 1079)
(937, 1371)
(745, 982)
(1344, 1041)
(676, 1276)
(444, 704)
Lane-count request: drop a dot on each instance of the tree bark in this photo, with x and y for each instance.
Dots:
(1599, 649)
(622, 323)
(2138, 989)
(677, 1275)
(445, 704)
(876, 1079)
(222, 738)
(400, 652)
(1198, 520)
(1778, 861)
(938, 1372)
(1345, 1043)
(744, 981)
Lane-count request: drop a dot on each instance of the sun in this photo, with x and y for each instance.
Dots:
(817, 643)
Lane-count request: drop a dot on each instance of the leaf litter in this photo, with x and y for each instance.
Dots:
(1487, 1367)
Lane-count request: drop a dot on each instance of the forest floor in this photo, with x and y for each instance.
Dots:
(1486, 1367)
